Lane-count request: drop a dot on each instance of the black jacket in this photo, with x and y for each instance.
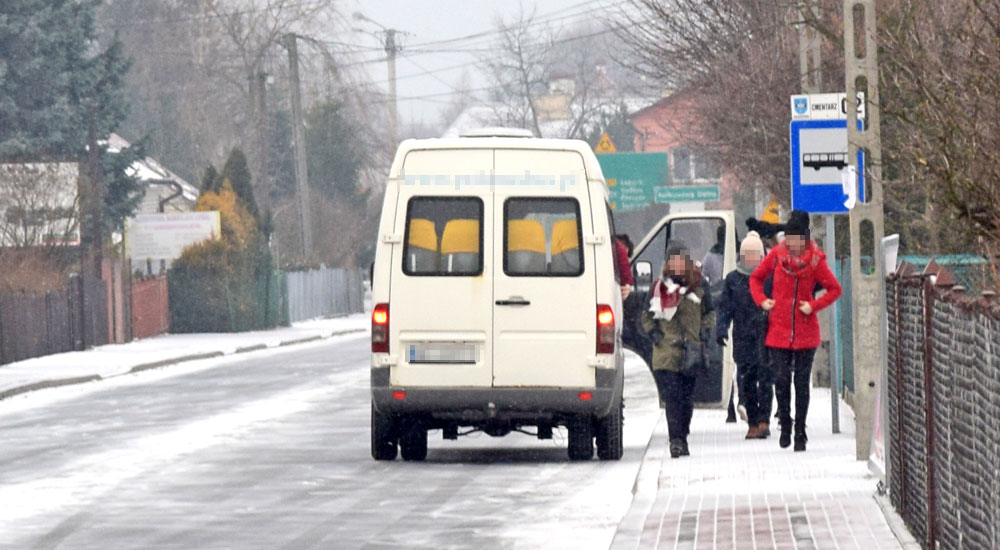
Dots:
(749, 321)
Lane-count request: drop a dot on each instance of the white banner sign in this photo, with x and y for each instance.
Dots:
(165, 236)
(824, 106)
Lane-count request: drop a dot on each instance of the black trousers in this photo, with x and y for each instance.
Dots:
(788, 365)
(677, 392)
(756, 391)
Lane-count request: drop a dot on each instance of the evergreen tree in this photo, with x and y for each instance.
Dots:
(52, 86)
(335, 159)
(237, 171)
(210, 180)
(48, 76)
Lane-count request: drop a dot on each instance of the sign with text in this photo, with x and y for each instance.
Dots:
(632, 178)
(825, 106)
(165, 236)
(687, 193)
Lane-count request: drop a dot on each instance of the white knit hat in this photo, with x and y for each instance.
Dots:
(752, 243)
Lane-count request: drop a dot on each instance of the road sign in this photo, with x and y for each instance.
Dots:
(819, 164)
(633, 177)
(824, 106)
(687, 193)
(605, 145)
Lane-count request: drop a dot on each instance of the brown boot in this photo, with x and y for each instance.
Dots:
(753, 432)
(763, 430)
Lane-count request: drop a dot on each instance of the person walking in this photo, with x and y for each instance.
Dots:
(623, 268)
(737, 307)
(678, 321)
(797, 266)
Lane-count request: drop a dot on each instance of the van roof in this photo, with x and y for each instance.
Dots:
(589, 160)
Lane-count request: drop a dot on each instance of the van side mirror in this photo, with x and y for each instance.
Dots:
(643, 276)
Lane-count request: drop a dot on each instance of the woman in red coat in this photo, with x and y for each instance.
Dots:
(793, 329)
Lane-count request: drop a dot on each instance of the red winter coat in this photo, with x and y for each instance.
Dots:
(789, 328)
(622, 268)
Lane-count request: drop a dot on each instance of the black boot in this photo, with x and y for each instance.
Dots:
(800, 441)
(684, 448)
(786, 437)
(676, 448)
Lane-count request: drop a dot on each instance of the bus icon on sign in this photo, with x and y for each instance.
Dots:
(818, 161)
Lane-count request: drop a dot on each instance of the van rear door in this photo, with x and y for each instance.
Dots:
(544, 287)
(441, 292)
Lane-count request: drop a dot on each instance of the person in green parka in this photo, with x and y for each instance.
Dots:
(679, 309)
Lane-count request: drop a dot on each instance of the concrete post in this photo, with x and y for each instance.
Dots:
(867, 218)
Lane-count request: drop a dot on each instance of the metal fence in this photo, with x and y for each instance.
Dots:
(33, 325)
(944, 409)
(323, 292)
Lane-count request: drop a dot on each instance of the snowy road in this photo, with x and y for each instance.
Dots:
(271, 450)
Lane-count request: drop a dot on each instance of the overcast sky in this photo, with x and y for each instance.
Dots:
(435, 69)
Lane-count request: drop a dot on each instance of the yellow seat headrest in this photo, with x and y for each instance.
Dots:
(525, 235)
(422, 234)
(564, 236)
(460, 236)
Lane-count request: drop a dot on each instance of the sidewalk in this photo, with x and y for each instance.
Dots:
(119, 359)
(732, 493)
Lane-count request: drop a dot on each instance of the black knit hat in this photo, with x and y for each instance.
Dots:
(677, 248)
(798, 223)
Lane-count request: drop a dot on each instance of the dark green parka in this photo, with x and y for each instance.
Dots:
(695, 320)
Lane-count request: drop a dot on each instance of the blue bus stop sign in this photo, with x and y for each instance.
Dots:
(819, 162)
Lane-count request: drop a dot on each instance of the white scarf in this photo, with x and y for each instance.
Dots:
(666, 298)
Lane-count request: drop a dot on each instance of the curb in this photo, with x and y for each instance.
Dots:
(896, 524)
(48, 384)
(629, 532)
(167, 362)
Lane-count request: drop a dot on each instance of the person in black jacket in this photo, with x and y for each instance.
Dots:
(756, 382)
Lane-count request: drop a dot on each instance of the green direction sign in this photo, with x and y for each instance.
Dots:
(688, 193)
(633, 178)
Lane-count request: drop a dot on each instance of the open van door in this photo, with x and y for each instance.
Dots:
(700, 231)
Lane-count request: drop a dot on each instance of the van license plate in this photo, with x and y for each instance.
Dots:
(442, 352)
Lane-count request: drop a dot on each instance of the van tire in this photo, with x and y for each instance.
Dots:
(413, 443)
(610, 444)
(383, 437)
(581, 439)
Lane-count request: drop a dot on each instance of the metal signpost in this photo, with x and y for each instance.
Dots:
(823, 181)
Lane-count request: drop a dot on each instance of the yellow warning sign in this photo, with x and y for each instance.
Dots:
(771, 212)
(605, 145)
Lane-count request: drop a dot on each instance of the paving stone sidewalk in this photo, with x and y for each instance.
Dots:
(733, 493)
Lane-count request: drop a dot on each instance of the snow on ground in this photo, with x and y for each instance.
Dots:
(117, 359)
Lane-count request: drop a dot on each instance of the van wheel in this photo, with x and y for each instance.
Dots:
(610, 444)
(383, 437)
(581, 439)
(413, 443)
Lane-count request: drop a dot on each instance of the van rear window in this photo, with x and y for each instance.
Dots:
(444, 236)
(542, 238)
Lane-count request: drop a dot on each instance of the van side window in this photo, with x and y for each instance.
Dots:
(444, 236)
(542, 237)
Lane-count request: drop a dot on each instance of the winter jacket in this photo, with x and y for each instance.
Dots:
(789, 328)
(623, 270)
(749, 321)
(694, 319)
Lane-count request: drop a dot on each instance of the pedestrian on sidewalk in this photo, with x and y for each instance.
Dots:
(736, 306)
(679, 322)
(797, 266)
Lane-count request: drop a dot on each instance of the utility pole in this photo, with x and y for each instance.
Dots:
(391, 49)
(867, 218)
(299, 141)
(811, 82)
(263, 140)
(91, 203)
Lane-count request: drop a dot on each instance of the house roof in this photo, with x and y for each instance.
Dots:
(149, 171)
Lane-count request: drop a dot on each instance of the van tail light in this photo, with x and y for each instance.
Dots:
(380, 328)
(605, 329)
